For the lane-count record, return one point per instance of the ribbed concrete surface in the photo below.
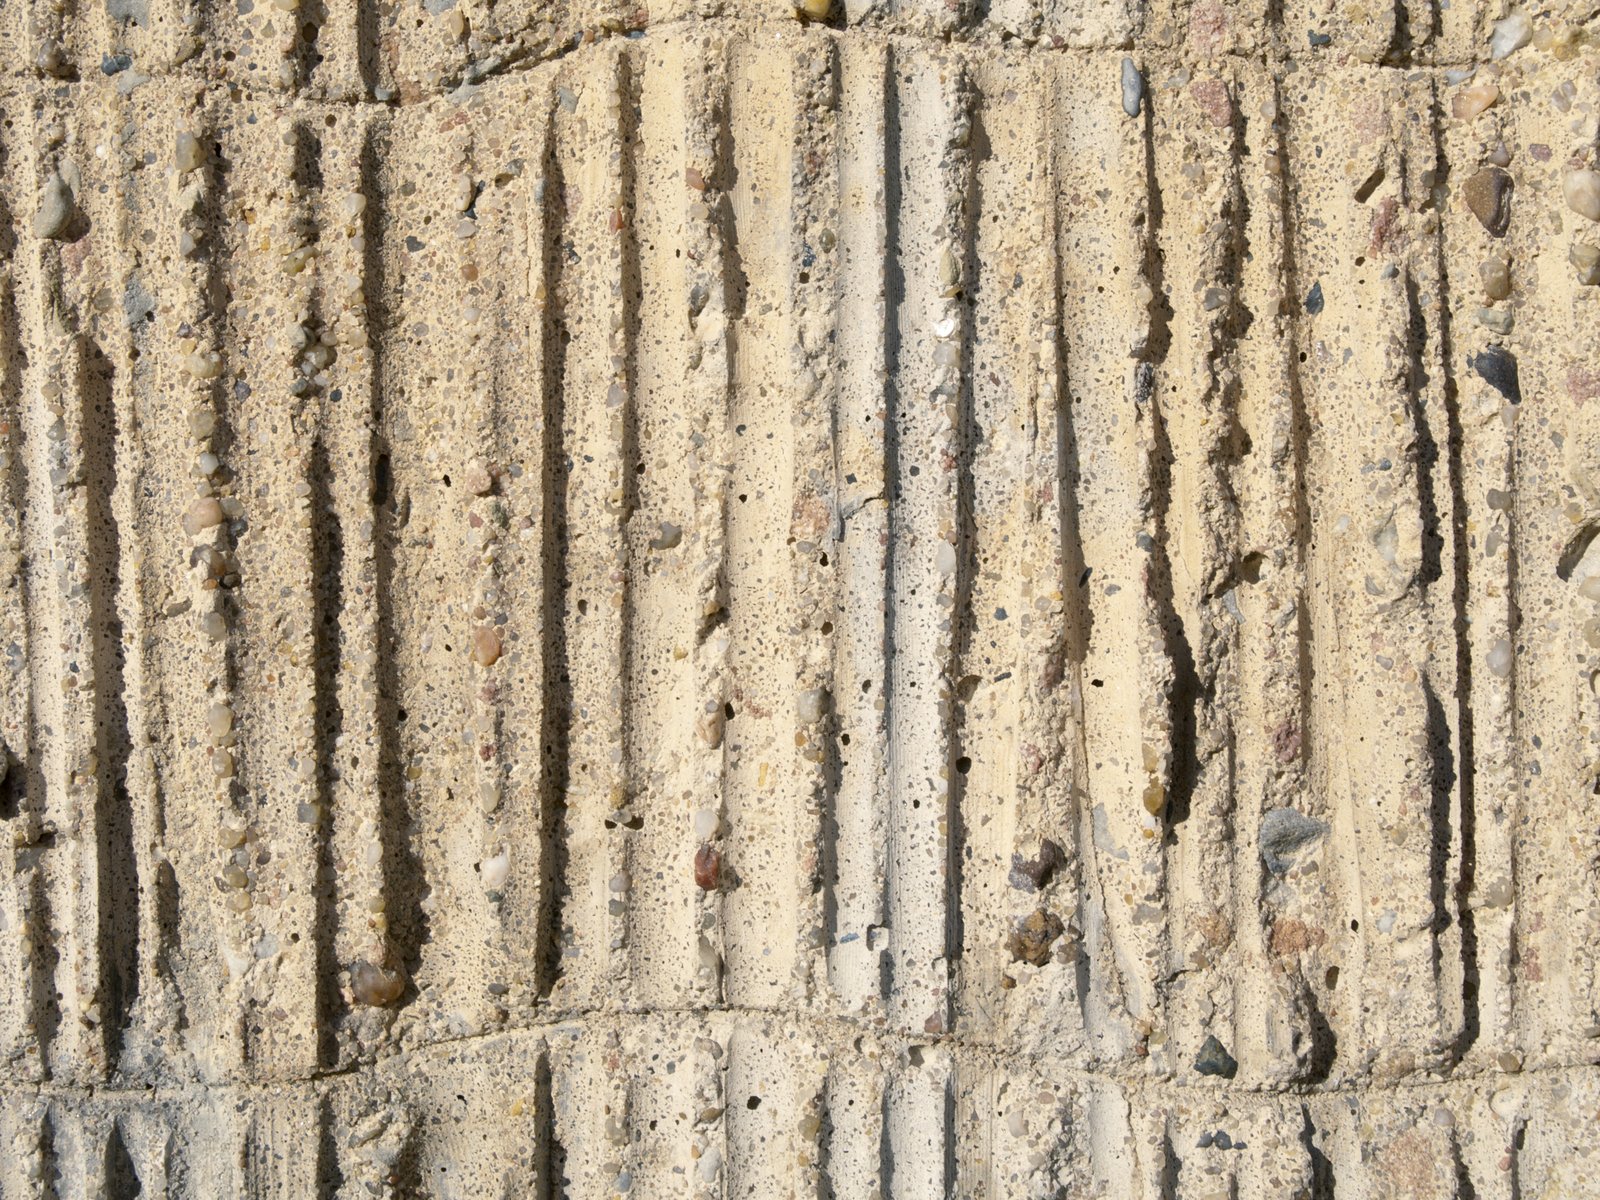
(693, 604)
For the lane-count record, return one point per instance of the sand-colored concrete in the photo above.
(953, 600)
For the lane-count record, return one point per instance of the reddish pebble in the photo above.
(707, 867)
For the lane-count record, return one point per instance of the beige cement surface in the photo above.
(694, 603)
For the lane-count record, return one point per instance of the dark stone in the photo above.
(1033, 936)
(1498, 368)
(1314, 299)
(1319, 39)
(1214, 1059)
(1032, 874)
(111, 64)
(1284, 833)
(1488, 194)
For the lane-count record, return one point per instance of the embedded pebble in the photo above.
(1214, 1059)
(485, 645)
(1488, 194)
(1132, 88)
(1586, 260)
(1510, 35)
(1285, 832)
(187, 155)
(376, 986)
(708, 868)
(1032, 874)
(810, 705)
(1581, 190)
(55, 210)
(1472, 100)
(1495, 319)
(1495, 272)
(1033, 936)
(201, 515)
(1499, 658)
(495, 869)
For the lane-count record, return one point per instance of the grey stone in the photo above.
(1284, 833)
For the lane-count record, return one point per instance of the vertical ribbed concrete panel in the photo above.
(970, 600)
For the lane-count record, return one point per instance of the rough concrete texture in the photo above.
(954, 600)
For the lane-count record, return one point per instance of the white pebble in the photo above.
(1509, 35)
(1500, 658)
(203, 366)
(811, 704)
(187, 155)
(496, 869)
(219, 721)
(1581, 189)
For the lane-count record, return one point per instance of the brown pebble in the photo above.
(485, 645)
(376, 986)
(708, 867)
(1488, 194)
(1033, 936)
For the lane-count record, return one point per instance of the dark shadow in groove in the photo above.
(330, 1180)
(952, 1142)
(632, 300)
(326, 551)
(1324, 1041)
(1427, 454)
(735, 283)
(403, 880)
(1323, 1183)
(1167, 1185)
(549, 1155)
(369, 16)
(1186, 691)
(833, 752)
(968, 435)
(327, 600)
(121, 1180)
(556, 711)
(894, 288)
(309, 19)
(1460, 594)
(117, 882)
(1442, 782)
(49, 1159)
(826, 1189)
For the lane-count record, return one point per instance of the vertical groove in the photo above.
(813, 517)
(708, 252)
(1196, 574)
(922, 599)
(555, 712)
(867, 172)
